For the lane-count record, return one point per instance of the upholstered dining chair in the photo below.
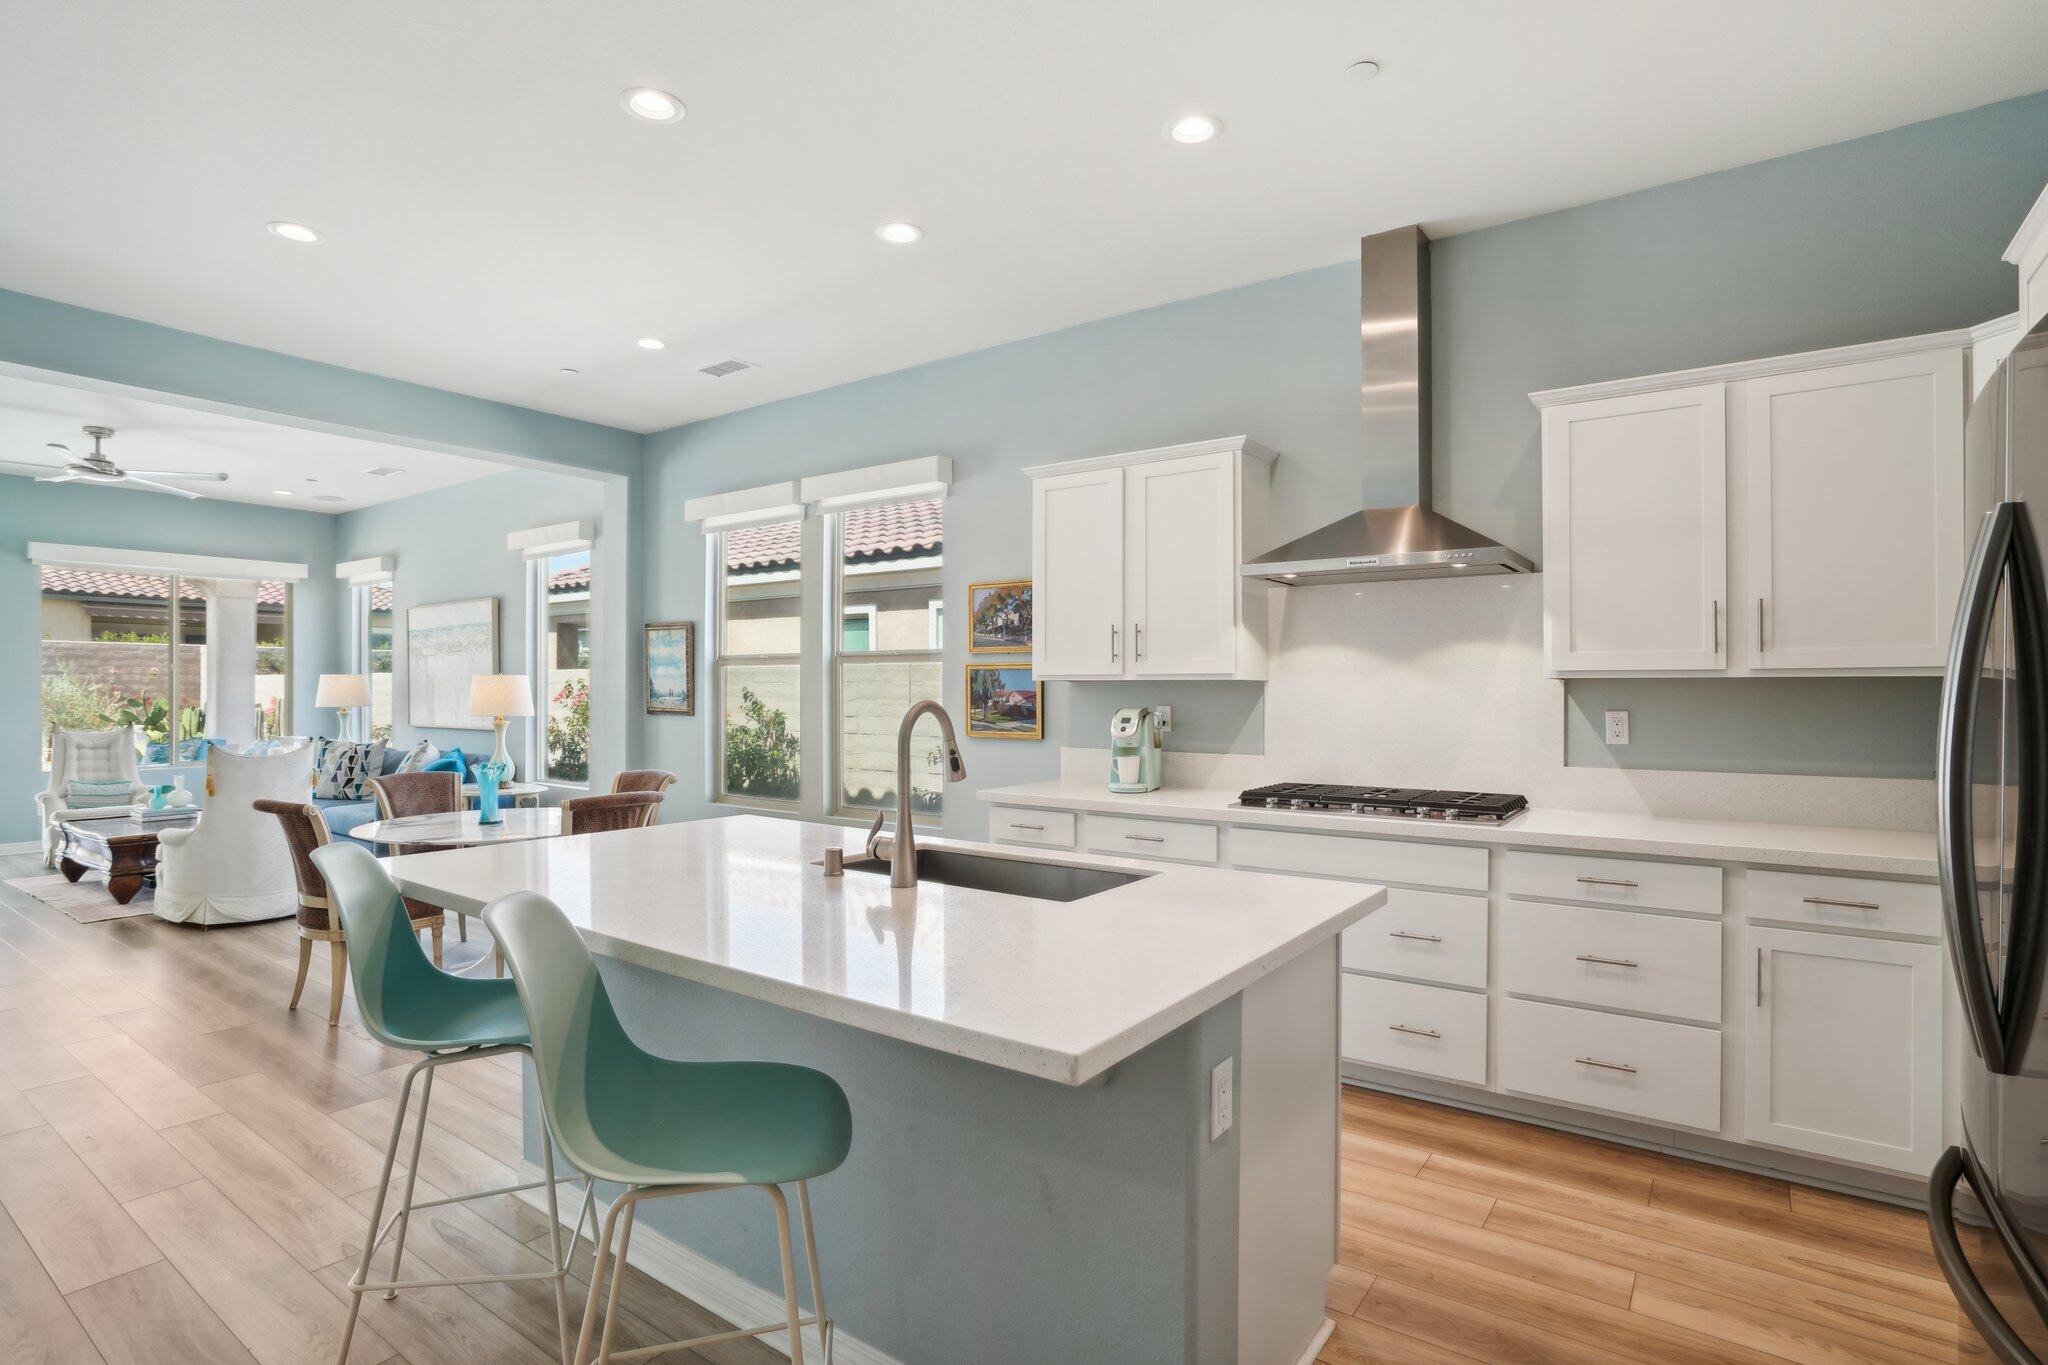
(305, 830)
(402, 794)
(616, 810)
(642, 780)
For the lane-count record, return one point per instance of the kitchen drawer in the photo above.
(1613, 881)
(1433, 935)
(1420, 862)
(1861, 903)
(1016, 825)
(1623, 959)
(1151, 838)
(1666, 1073)
(1430, 1029)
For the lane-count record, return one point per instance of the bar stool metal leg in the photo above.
(803, 1204)
(796, 1331)
(355, 1298)
(412, 1172)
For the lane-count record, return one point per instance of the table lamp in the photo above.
(343, 693)
(500, 695)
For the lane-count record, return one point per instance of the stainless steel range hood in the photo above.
(1408, 541)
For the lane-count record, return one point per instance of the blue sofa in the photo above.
(342, 816)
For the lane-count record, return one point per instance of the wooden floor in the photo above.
(185, 1168)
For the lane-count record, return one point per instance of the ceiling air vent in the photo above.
(383, 471)
(726, 367)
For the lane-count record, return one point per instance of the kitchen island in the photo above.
(1037, 1173)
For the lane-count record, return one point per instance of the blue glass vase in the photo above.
(488, 776)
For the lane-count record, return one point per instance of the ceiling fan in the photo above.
(97, 468)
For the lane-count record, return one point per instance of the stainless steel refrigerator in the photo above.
(1992, 785)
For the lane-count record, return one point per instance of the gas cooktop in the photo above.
(1414, 803)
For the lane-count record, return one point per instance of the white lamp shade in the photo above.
(500, 694)
(342, 691)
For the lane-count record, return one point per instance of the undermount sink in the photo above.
(1010, 876)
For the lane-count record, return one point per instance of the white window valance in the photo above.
(109, 559)
(745, 506)
(364, 573)
(544, 542)
(928, 476)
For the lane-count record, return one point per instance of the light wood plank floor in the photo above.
(185, 1166)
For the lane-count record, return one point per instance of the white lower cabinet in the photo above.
(1845, 1047)
(1430, 1029)
(1016, 825)
(1429, 935)
(1619, 959)
(1667, 1073)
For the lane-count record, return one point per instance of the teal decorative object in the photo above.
(488, 776)
(159, 797)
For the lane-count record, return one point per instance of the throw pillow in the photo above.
(345, 771)
(82, 795)
(450, 762)
(418, 757)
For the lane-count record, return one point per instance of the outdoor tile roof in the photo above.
(872, 533)
(142, 587)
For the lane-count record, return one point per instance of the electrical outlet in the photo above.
(1222, 1099)
(1165, 714)
(1617, 727)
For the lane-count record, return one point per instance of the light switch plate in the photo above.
(1165, 714)
(1617, 727)
(1222, 1097)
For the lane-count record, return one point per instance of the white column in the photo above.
(230, 658)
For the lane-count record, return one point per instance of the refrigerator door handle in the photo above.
(2028, 919)
(1957, 1164)
(1955, 848)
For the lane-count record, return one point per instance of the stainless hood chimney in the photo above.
(1410, 541)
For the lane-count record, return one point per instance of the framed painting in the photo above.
(1003, 702)
(999, 617)
(671, 668)
(447, 644)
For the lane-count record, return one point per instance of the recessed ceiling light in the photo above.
(1362, 70)
(284, 492)
(900, 234)
(651, 344)
(656, 106)
(1193, 128)
(328, 497)
(294, 232)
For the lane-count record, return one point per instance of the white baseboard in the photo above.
(711, 1286)
(26, 846)
(1315, 1346)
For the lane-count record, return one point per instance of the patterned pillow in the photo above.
(80, 794)
(418, 757)
(345, 770)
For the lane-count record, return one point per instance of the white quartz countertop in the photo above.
(1880, 852)
(1062, 991)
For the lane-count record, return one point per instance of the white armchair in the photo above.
(89, 756)
(231, 866)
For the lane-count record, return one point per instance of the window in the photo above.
(372, 652)
(184, 659)
(888, 561)
(564, 653)
(759, 670)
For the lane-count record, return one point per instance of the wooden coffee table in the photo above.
(123, 848)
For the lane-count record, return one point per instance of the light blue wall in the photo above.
(78, 515)
(1885, 236)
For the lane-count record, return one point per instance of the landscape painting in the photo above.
(671, 668)
(446, 645)
(1003, 703)
(999, 617)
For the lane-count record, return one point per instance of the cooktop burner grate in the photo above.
(1415, 803)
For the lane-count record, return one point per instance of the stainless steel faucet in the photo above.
(902, 849)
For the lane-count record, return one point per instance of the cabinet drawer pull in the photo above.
(1608, 961)
(1846, 905)
(1039, 828)
(1419, 938)
(1607, 881)
(1147, 838)
(1605, 1066)
(1418, 1032)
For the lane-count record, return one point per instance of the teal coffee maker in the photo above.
(1136, 745)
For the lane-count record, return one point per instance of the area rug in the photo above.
(87, 900)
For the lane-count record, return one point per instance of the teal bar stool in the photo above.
(407, 1002)
(662, 1127)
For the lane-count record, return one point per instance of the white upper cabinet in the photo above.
(1854, 512)
(2029, 252)
(1134, 560)
(1635, 531)
(1809, 514)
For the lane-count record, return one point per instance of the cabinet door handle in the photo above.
(1138, 641)
(1112, 644)
(1759, 623)
(1846, 905)
(1717, 625)
(1418, 1032)
(1759, 978)
(1607, 881)
(1039, 828)
(1608, 961)
(1147, 838)
(1419, 938)
(1605, 1066)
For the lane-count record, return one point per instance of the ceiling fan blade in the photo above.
(23, 467)
(160, 487)
(176, 474)
(65, 476)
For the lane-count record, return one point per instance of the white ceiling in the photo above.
(259, 458)
(492, 215)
